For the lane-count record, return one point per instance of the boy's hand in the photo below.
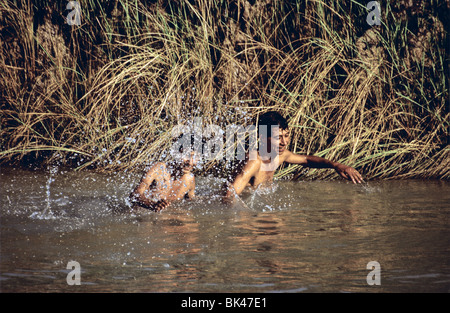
(160, 205)
(349, 173)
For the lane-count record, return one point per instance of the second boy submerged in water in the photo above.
(165, 183)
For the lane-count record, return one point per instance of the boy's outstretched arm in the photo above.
(317, 162)
(242, 179)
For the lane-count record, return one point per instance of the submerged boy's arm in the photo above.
(249, 170)
(191, 192)
(317, 162)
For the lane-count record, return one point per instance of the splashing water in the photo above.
(47, 213)
(292, 236)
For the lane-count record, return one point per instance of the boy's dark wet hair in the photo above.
(272, 118)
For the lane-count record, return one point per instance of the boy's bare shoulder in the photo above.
(158, 167)
(252, 165)
(190, 177)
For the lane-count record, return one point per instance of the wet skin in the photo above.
(261, 165)
(162, 185)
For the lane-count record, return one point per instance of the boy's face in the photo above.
(279, 140)
(189, 161)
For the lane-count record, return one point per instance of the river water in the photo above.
(306, 236)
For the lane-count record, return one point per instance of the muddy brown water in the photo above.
(306, 236)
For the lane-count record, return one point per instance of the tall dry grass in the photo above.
(106, 94)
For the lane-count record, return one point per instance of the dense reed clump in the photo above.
(106, 94)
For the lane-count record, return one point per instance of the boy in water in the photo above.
(164, 183)
(261, 165)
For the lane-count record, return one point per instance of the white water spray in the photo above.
(47, 213)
